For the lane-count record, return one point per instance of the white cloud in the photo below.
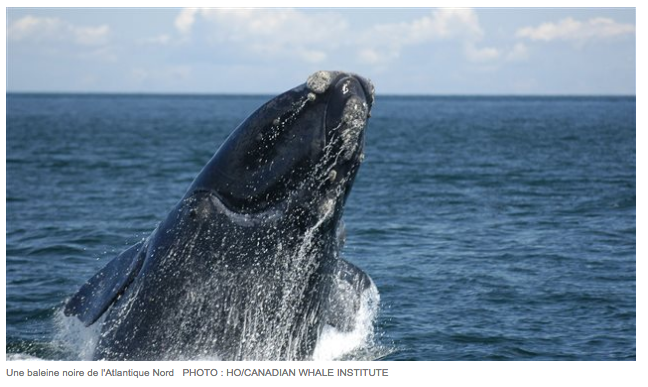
(316, 37)
(440, 24)
(34, 28)
(271, 32)
(519, 52)
(49, 29)
(455, 22)
(90, 36)
(185, 20)
(384, 42)
(374, 56)
(569, 29)
(484, 54)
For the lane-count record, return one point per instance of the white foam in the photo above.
(75, 338)
(80, 341)
(22, 357)
(336, 345)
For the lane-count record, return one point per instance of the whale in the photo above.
(247, 265)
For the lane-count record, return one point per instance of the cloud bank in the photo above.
(569, 29)
(47, 29)
(424, 50)
(312, 37)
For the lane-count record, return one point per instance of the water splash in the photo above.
(74, 338)
(359, 344)
(22, 357)
(336, 345)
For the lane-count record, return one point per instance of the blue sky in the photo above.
(404, 51)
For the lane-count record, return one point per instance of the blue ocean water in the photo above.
(495, 228)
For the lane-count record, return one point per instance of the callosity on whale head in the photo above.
(247, 265)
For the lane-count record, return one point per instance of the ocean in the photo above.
(495, 228)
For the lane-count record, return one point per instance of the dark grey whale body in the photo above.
(247, 265)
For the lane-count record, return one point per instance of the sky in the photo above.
(484, 51)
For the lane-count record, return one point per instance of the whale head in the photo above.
(302, 148)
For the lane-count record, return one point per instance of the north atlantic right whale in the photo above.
(247, 265)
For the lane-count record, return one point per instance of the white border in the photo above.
(419, 373)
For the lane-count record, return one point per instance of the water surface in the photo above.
(495, 228)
